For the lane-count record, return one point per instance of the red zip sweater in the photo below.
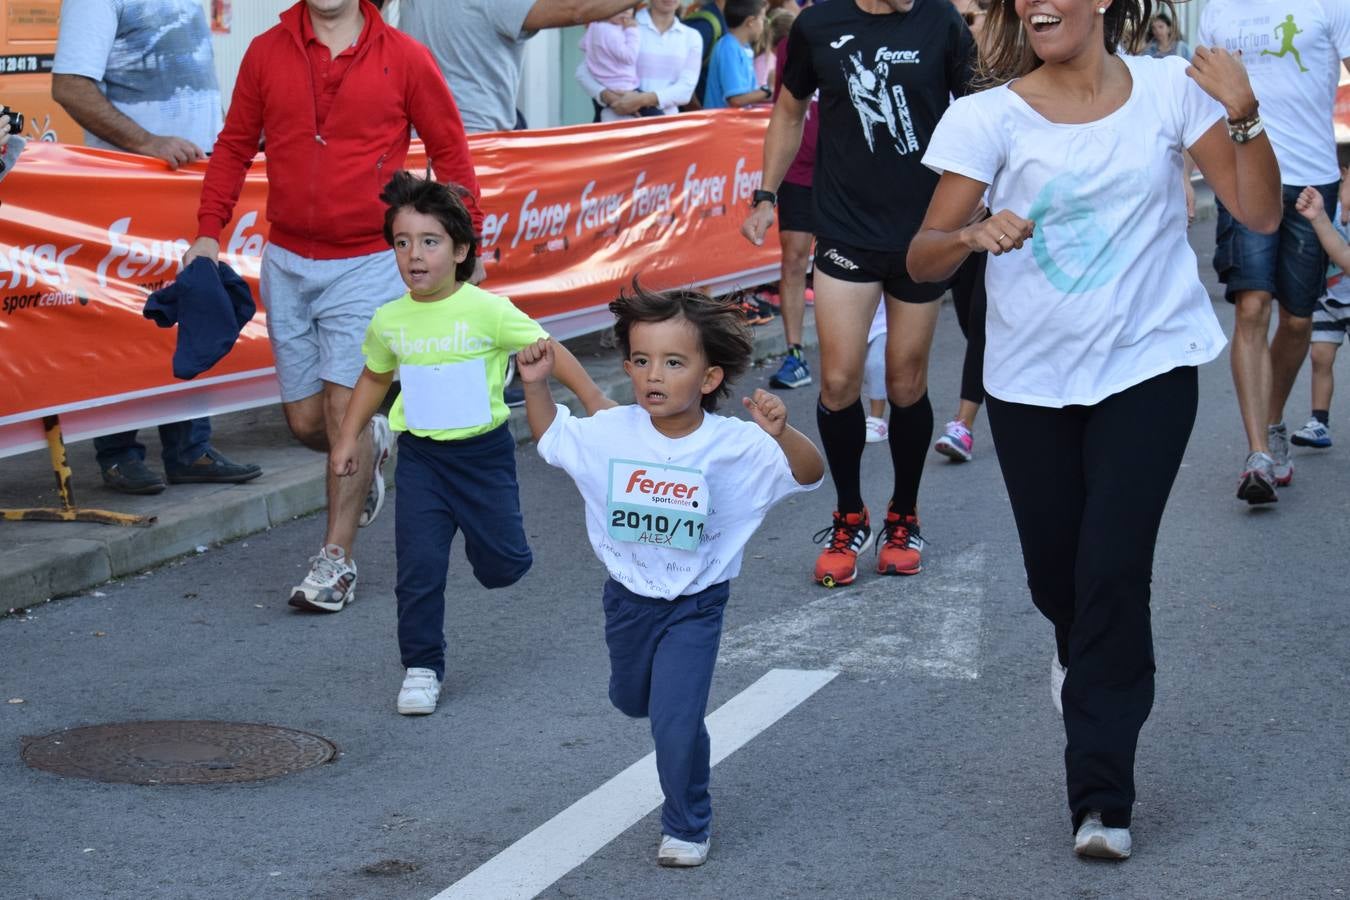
(323, 188)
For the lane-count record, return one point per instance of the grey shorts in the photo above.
(317, 313)
(1330, 321)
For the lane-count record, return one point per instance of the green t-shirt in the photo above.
(451, 357)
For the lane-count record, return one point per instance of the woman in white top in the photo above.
(1096, 322)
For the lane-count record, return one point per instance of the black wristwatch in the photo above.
(759, 197)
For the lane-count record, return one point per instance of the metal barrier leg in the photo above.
(68, 511)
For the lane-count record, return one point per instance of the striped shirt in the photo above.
(668, 65)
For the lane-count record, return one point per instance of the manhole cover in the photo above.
(177, 752)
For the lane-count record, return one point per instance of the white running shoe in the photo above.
(1278, 438)
(682, 854)
(1313, 434)
(330, 584)
(383, 438)
(876, 429)
(1100, 841)
(421, 689)
(1057, 673)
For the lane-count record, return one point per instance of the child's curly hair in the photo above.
(726, 338)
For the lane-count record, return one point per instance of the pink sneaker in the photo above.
(956, 443)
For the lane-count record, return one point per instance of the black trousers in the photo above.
(1088, 485)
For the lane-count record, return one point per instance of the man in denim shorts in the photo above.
(1293, 50)
(330, 151)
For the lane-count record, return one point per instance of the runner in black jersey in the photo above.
(885, 71)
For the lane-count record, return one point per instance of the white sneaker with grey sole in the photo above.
(1277, 436)
(330, 584)
(682, 854)
(419, 694)
(383, 438)
(1101, 841)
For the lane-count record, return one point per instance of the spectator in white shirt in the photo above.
(669, 56)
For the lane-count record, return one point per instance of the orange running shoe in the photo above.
(901, 546)
(848, 536)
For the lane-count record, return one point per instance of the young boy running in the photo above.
(448, 341)
(672, 495)
(1331, 317)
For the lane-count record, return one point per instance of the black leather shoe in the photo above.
(213, 468)
(132, 477)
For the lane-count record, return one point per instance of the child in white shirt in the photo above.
(672, 495)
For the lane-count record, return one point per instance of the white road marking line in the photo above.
(880, 626)
(571, 837)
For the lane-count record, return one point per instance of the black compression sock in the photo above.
(1323, 416)
(911, 431)
(844, 435)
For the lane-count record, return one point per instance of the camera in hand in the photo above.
(15, 119)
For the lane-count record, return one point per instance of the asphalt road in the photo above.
(931, 766)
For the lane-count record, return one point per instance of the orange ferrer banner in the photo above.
(572, 214)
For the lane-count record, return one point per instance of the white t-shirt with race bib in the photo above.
(1106, 294)
(669, 516)
(1293, 51)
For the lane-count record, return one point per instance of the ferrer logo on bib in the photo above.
(665, 506)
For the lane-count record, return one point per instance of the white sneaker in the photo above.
(1057, 673)
(876, 430)
(383, 438)
(1313, 434)
(330, 584)
(1100, 842)
(1278, 438)
(675, 852)
(421, 689)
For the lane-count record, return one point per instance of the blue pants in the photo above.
(183, 444)
(661, 658)
(443, 487)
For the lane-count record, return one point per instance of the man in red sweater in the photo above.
(336, 92)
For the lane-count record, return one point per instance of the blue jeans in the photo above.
(1289, 264)
(442, 487)
(661, 658)
(183, 444)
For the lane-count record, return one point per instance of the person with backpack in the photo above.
(710, 22)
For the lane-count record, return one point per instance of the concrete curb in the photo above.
(44, 570)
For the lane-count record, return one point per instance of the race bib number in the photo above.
(665, 506)
(446, 396)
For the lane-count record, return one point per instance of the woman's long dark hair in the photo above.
(1007, 53)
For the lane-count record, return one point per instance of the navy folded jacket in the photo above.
(210, 304)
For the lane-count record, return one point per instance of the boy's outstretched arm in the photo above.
(369, 393)
(534, 363)
(576, 379)
(803, 458)
(1311, 207)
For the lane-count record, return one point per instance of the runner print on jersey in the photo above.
(654, 504)
(879, 103)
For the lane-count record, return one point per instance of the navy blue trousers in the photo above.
(443, 487)
(661, 658)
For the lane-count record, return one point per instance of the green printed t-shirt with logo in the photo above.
(1106, 292)
(1293, 51)
(451, 356)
